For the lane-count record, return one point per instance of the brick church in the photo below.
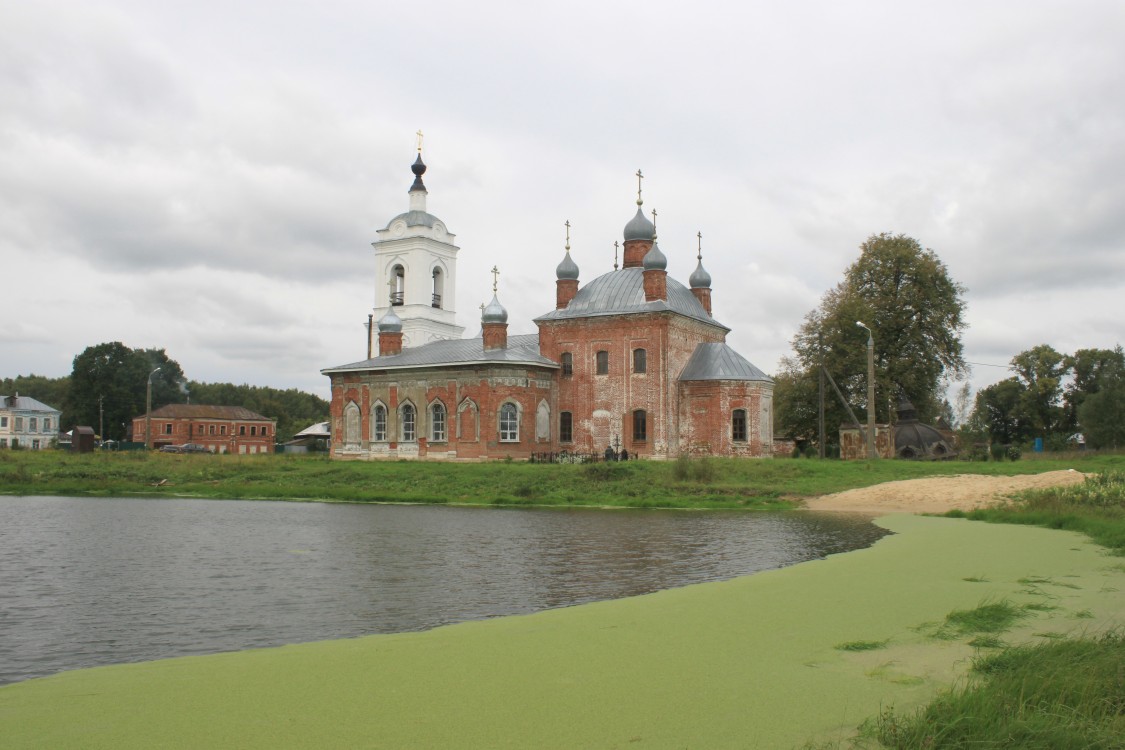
(632, 359)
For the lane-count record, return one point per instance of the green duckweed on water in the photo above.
(751, 662)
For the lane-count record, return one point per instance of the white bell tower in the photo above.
(416, 270)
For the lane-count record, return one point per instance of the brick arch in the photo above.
(468, 421)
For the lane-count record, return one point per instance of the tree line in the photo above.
(904, 294)
(108, 383)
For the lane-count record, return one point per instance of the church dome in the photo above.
(390, 323)
(654, 259)
(494, 313)
(639, 227)
(699, 278)
(916, 440)
(419, 169)
(567, 270)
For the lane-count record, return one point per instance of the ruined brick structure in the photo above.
(633, 359)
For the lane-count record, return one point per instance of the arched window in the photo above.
(509, 423)
(437, 289)
(640, 360)
(640, 425)
(437, 422)
(379, 423)
(567, 364)
(738, 425)
(398, 285)
(602, 361)
(566, 427)
(408, 423)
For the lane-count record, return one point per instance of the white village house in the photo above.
(27, 423)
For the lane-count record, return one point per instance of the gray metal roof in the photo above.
(25, 403)
(622, 292)
(522, 350)
(416, 219)
(720, 362)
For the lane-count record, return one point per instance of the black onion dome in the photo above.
(419, 169)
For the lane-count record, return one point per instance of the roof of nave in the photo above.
(622, 292)
(719, 362)
(24, 403)
(206, 411)
(521, 350)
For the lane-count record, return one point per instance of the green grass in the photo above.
(987, 618)
(1096, 507)
(862, 645)
(707, 483)
(1066, 693)
(1059, 695)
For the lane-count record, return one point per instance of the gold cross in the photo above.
(615, 255)
(700, 236)
(639, 178)
(419, 134)
(568, 235)
(654, 223)
(495, 275)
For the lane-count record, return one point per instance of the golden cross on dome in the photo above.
(700, 236)
(654, 223)
(419, 134)
(615, 255)
(639, 178)
(568, 235)
(495, 275)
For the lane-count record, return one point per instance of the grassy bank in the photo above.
(765, 661)
(1049, 695)
(705, 483)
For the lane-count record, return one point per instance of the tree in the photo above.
(1099, 375)
(1040, 371)
(51, 391)
(1089, 367)
(108, 385)
(1000, 411)
(905, 295)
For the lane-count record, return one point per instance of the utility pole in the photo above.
(820, 393)
(148, 411)
(101, 418)
(870, 390)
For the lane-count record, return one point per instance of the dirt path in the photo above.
(939, 494)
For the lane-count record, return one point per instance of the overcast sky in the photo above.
(207, 177)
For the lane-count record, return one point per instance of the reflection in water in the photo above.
(87, 581)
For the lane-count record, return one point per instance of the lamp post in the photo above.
(148, 411)
(870, 390)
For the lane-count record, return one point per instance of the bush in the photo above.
(1014, 453)
(998, 452)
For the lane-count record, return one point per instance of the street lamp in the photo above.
(148, 411)
(870, 390)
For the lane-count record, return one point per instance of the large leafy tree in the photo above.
(1089, 368)
(1000, 411)
(51, 391)
(905, 294)
(108, 385)
(1040, 371)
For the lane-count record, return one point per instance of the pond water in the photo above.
(91, 581)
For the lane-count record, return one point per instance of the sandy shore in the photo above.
(939, 494)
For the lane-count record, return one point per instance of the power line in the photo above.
(986, 364)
